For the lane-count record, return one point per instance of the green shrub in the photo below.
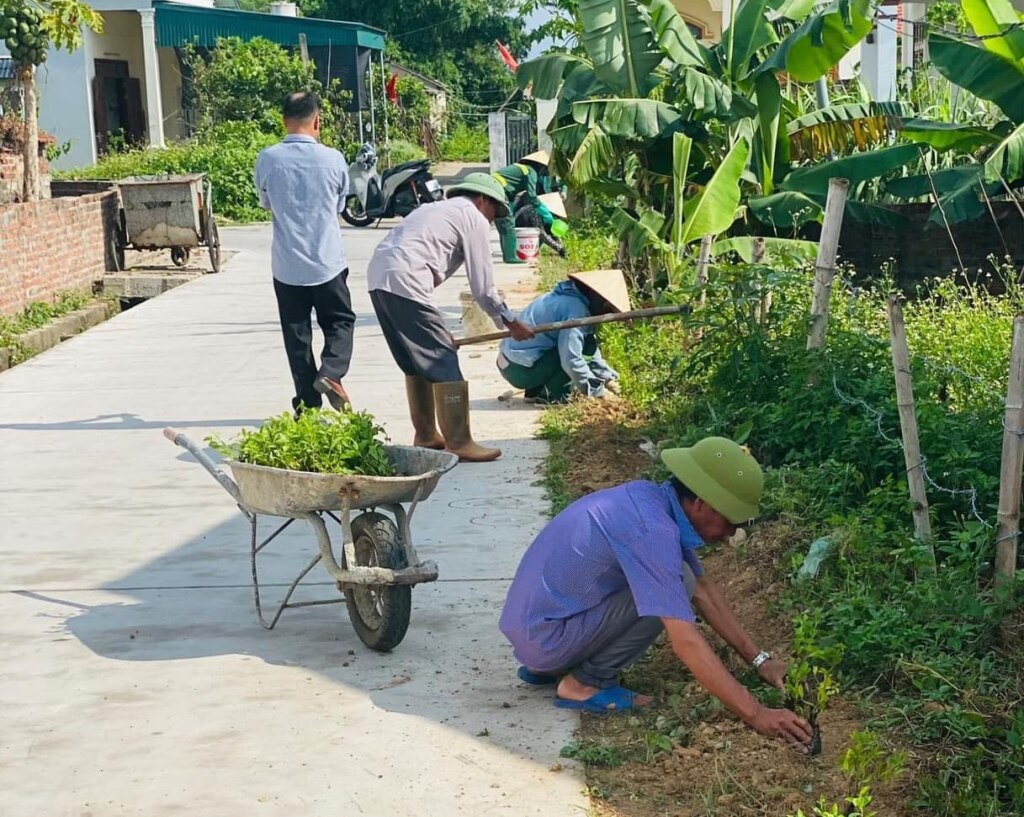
(400, 151)
(926, 642)
(227, 153)
(464, 143)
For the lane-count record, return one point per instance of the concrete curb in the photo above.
(67, 326)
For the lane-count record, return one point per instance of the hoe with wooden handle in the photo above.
(636, 314)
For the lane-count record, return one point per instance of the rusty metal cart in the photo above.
(378, 564)
(167, 212)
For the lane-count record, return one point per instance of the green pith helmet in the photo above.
(486, 185)
(722, 473)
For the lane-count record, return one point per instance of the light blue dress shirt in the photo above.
(304, 185)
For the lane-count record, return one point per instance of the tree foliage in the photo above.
(450, 40)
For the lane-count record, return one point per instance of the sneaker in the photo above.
(334, 392)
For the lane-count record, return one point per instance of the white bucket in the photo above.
(527, 243)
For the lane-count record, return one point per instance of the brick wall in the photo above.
(11, 177)
(53, 245)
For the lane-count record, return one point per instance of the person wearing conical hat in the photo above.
(411, 261)
(521, 178)
(552, 365)
(526, 215)
(618, 567)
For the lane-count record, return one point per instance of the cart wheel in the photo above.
(213, 241)
(179, 256)
(379, 613)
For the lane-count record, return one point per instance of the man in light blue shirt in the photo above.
(304, 185)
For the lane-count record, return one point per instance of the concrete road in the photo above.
(136, 679)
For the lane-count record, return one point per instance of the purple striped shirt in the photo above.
(633, 536)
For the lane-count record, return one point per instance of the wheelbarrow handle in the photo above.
(228, 484)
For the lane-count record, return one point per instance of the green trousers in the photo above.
(507, 235)
(545, 380)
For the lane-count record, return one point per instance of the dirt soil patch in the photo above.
(686, 756)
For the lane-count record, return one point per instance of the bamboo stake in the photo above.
(703, 261)
(908, 424)
(1010, 473)
(825, 265)
(761, 310)
(615, 317)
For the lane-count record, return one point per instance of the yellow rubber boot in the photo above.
(420, 393)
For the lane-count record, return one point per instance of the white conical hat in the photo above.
(539, 157)
(554, 203)
(608, 283)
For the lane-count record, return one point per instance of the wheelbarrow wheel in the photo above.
(213, 241)
(180, 256)
(379, 613)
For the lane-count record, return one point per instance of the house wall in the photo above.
(52, 246)
(170, 93)
(702, 13)
(65, 104)
(122, 40)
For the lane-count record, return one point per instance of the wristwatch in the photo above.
(759, 659)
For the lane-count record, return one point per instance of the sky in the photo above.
(539, 17)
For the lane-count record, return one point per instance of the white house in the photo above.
(128, 79)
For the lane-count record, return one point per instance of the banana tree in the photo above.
(991, 68)
(644, 79)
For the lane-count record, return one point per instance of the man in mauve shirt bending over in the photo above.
(416, 257)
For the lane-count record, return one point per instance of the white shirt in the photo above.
(428, 247)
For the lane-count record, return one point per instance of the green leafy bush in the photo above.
(227, 153)
(465, 143)
(323, 442)
(927, 644)
(402, 151)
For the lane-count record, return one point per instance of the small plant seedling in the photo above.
(810, 682)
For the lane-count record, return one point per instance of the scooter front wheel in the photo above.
(355, 214)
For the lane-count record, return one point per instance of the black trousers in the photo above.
(417, 337)
(333, 306)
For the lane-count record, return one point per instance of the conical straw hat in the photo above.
(608, 283)
(538, 157)
(554, 203)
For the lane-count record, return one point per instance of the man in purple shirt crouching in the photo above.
(615, 568)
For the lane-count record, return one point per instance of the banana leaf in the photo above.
(673, 36)
(621, 45)
(983, 73)
(867, 213)
(714, 210)
(841, 129)
(785, 211)
(748, 34)
(959, 190)
(997, 23)
(593, 158)
(822, 40)
(1007, 160)
(705, 95)
(766, 139)
(813, 179)
(546, 72)
(777, 251)
(948, 135)
(642, 233)
(945, 181)
(627, 118)
(681, 147)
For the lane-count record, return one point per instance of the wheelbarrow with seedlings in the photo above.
(330, 470)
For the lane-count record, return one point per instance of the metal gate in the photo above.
(520, 136)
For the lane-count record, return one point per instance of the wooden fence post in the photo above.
(908, 424)
(825, 266)
(765, 303)
(703, 261)
(1013, 461)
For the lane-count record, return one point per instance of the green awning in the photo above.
(178, 24)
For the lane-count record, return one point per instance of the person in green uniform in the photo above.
(524, 177)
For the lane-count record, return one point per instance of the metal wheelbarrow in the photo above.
(378, 564)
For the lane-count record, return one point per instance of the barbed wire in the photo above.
(878, 415)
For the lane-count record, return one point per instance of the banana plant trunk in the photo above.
(30, 183)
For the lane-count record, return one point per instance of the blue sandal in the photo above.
(536, 679)
(603, 702)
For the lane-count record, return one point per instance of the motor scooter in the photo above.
(398, 192)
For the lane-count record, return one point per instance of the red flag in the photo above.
(392, 89)
(506, 55)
